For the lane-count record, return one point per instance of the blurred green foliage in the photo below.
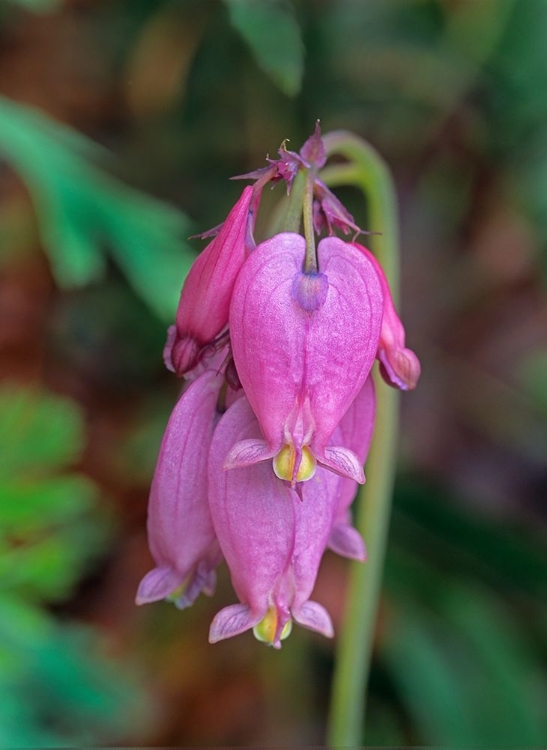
(273, 35)
(470, 606)
(57, 688)
(81, 208)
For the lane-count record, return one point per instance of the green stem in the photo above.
(367, 171)
(310, 262)
(293, 217)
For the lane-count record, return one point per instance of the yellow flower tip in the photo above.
(266, 629)
(284, 464)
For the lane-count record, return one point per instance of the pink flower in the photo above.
(399, 366)
(272, 539)
(356, 429)
(181, 535)
(205, 298)
(303, 345)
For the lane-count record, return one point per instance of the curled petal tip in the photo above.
(158, 584)
(247, 452)
(347, 542)
(400, 368)
(231, 621)
(180, 353)
(342, 461)
(313, 616)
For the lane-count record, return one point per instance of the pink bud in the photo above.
(180, 531)
(205, 298)
(399, 366)
(303, 345)
(271, 538)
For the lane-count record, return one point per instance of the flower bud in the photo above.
(205, 297)
(399, 366)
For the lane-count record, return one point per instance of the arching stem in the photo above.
(346, 726)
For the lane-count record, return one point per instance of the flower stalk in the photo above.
(367, 171)
(310, 263)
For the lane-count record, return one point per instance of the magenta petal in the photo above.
(272, 539)
(313, 517)
(203, 579)
(344, 462)
(347, 542)
(247, 453)
(232, 620)
(180, 531)
(157, 584)
(205, 298)
(302, 368)
(399, 366)
(315, 617)
(355, 431)
(313, 150)
(252, 512)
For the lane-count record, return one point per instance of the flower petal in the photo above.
(252, 512)
(232, 620)
(247, 452)
(354, 431)
(158, 584)
(301, 369)
(347, 542)
(399, 366)
(180, 531)
(205, 297)
(315, 617)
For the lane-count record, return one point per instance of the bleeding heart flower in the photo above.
(399, 366)
(271, 538)
(355, 428)
(303, 345)
(205, 298)
(180, 531)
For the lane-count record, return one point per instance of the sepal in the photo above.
(347, 542)
(248, 452)
(342, 461)
(232, 620)
(158, 584)
(313, 616)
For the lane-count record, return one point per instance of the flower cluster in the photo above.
(265, 448)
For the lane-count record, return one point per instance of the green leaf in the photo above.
(27, 507)
(81, 209)
(273, 35)
(39, 432)
(49, 527)
(38, 6)
(418, 654)
(465, 671)
(57, 687)
(506, 687)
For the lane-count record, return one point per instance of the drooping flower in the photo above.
(281, 338)
(181, 535)
(303, 345)
(205, 297)
(399, 366)
(271, 538)
(356, 429)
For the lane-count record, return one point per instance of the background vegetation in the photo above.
(120, 124)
